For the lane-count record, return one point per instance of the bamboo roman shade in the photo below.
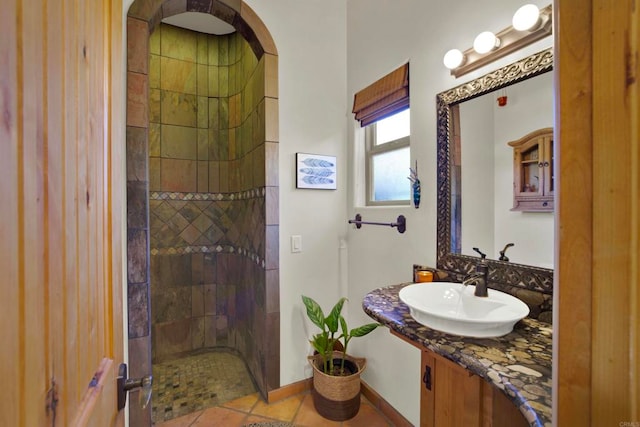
(386, 96)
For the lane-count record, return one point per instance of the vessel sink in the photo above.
(453, 308)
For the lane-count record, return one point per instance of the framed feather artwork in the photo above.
(315, 171)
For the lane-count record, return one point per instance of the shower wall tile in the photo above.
(259, 166)
(203, 176)
(171, 270)
(232, 154)
(272, 359)
(197, 333)
(271, 76)
(178, 109)
(272, 210)
(138, 298)
(209, 297)
(154, 139)
(197, 301)
(174, 7)
(271, 164)
(154, 41)
(137, 100)
(223, 144)
(223, 113)
(171, 338)
(137, 256)
(271, 120)
(223, 51)
(137, 45)
(178, 175)
(214, 79)
(259, 131)
(203, 48)
(202, 84)
(214, 177)
(154, 174)
(197, 269)
(177, 75)
(170, 303)
(179, 142)
(203, 112)
(222, 11)
(223, 81)
(190, 234)
(272, 291)
(154, 105)
(223, 183)
(136, 204)
(214, 119)
(210, 268)
(203, 144)
(210, 331)
(136, 153)
(212, 45)
(139, 357)
(178, 43)
(273, 243)
(154, 71)
(222, 330)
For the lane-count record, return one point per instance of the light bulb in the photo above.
(485, 42)
(526, 18)
(453, 59)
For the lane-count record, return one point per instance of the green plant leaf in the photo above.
(319, 343)
(314, 312)
(332, 320)
(343, 324)
(364, 329)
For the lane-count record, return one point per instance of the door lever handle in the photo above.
(127, 384)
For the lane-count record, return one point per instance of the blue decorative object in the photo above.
(315, 171)
(415, 185)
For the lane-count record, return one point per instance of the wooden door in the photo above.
(62, 200)
(597, 281)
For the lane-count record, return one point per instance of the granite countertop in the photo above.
(519, 363)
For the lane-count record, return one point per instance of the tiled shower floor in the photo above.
(192, 383)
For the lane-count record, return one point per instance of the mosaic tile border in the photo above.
(210, 249)
(254, 193)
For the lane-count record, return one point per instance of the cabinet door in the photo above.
(427, 390)
(452, 397)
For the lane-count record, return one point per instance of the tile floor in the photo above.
(214, 389)
(297, 410)
(188, 384)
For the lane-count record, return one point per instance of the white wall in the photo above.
(487, 173)
(311, 40)
(477, 140)
(381, 35)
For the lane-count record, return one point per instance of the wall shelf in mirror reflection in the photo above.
(475, 181)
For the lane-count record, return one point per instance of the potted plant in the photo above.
(336, 375)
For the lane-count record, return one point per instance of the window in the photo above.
(388, 160)
(382, 108)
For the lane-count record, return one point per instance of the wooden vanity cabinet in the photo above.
(533, 172)
(452, 396)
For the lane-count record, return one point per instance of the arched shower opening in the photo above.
(202, 190)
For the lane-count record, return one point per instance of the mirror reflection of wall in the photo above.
(487, 173)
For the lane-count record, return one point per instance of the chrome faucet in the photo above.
(480, 277)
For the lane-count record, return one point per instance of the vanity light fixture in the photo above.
(530, 24)
(485, 42)
(526, 18)
(453, 59)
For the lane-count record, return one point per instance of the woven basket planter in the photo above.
(337, 398)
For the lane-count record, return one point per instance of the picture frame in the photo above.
(316, 171)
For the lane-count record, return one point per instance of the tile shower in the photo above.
(205, 163)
